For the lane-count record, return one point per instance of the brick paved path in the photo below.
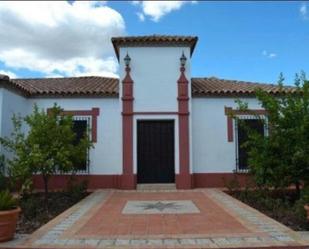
(201, 218)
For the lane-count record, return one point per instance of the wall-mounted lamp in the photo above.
(183, 59)
(127, 60)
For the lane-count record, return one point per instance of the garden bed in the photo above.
(34, 213)
(281, 205)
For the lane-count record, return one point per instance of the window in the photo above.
(242, 137)
(80, 128)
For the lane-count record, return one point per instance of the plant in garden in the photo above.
(282, 158)
(7, 201)
(49, 147)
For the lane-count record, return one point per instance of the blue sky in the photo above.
(252, 41)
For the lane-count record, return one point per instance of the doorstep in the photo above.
(156, 186)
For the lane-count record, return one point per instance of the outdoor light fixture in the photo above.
(183, 59)
(127, 60)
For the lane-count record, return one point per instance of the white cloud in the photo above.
(8, 73)
(272, 55)
(141, 16)
(58, 38)
(157, 9)
(268, 54)
(303, 10)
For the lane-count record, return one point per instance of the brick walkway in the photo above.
(202, 218)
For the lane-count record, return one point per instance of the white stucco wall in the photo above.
(155, 71)
(211, 150)
(105, 158)
(11, 103)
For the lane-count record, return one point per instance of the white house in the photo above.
(156, 124)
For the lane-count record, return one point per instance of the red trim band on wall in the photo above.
(94, 113)
(229, 112)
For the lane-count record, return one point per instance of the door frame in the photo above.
(157, 118)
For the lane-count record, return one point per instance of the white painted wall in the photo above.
(155, 71)
(211, 150)
(10, 104)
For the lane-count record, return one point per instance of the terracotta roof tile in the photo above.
(168, 40)
(91, 85)
(215, 86)
(103, 86)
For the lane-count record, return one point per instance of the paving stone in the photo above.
(107, 242)
(252, 240)
(170, 242)
(122, 242)
(137, 242)
(220, 241)
(203, 241)
(60, 241)
(91, 242)
(235, 240)
(155, 242)
(187, 241)
(283, 238)
(44, 241)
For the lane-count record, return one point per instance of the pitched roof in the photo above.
(154, 40)
(216, 86)
(104, 86)
(92, 85)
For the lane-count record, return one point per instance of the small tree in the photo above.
(48, 148)
(282, 158)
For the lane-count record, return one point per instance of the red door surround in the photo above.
(184, 178)
(128, 179)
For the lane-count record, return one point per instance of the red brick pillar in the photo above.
(128, 180)
(184, 179)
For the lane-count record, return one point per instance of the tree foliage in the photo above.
(282, 158)
(47, 148)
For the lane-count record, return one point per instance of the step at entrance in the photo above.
(156, 186)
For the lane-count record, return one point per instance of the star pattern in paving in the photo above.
(160, 206)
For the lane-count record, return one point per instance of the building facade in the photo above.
(155, 124)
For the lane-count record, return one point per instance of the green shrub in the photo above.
(7, 201)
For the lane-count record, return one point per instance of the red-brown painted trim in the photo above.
(184, 178)
(229, 112)
(59, 182)
(94, 113)
(220, 180)
(128, 180)
(155, 113)
(196, 180)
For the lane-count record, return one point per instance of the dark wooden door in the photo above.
(253, 124)
(155, 152)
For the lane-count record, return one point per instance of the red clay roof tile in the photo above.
(103, 86)
(153, 40)
(215, 86)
